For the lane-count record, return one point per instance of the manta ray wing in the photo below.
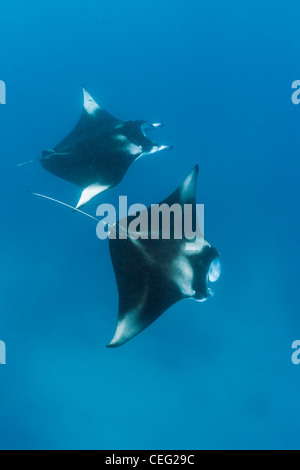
(93, 121)
(142, 291)
(154, 274)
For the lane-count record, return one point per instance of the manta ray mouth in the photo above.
(154, 147)
(214, 271)
(213, 275)
(147, 126)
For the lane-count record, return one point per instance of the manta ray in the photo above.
(98, 152)
(154, 274)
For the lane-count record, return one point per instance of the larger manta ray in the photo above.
(98, 152)
(152, 275)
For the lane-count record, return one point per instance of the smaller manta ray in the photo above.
(154, 274)
(98, 152)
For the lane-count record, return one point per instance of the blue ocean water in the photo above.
(216, 375)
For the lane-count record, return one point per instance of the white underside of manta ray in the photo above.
(98, 152)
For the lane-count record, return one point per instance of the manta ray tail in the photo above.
(45, 155)
(29, 161)
(66, 205)
(111, 227)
